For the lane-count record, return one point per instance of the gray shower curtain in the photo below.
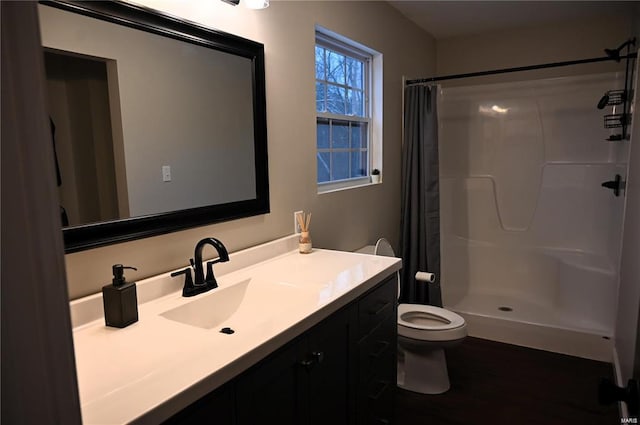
(420, 235)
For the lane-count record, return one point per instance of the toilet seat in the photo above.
(430, 323)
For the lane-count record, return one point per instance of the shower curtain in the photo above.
(420, 233)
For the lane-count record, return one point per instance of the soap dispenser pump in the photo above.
(120, 299)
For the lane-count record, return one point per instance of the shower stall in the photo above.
(530, 238)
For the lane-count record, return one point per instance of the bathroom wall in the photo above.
(627, 341)
(341, 220)
(558, 42)
(628, 317)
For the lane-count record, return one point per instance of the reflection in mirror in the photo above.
(152, 133)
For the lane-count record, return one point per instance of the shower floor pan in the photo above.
(519, 322)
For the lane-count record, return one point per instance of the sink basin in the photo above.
(244, 302)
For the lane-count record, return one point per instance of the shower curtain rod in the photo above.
(516, 69)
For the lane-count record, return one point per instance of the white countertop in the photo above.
(150, 370)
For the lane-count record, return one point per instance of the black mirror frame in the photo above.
(94, 235)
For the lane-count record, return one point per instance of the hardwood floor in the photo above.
(494, 383)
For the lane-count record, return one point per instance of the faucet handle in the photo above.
(210, 279)
(189, 287)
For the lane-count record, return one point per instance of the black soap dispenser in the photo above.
(120, 299)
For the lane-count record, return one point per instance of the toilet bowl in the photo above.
(424, 331)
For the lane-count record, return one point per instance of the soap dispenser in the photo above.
(120, 299)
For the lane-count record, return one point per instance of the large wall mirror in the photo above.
(158, 124)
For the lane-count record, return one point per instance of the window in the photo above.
(343, 87)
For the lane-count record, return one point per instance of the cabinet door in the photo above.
(273, 392)
(329, 349)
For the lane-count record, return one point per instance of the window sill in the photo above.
(331, 188)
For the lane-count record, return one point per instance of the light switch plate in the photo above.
(166, 173)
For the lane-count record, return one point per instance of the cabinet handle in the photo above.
(318, 356)
(383, 387)
(383, 347)
(380, 310)
(307, 363)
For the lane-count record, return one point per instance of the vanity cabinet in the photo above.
(342, 371)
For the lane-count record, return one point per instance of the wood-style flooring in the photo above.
(494, 384)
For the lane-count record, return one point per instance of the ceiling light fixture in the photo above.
(499, 110)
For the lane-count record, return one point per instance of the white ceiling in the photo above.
(444, 19)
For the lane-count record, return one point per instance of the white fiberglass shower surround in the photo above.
(530, 239)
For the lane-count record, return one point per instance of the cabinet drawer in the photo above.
(378, 395)
(377, 352)
(376, 306)
(380, 403)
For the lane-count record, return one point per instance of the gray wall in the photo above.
(341, 220)
(530, 46)
(628, 319)
(629, 290)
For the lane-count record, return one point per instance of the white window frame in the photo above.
(342, 45)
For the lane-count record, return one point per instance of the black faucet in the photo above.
(203, 283)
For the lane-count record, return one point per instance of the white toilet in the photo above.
(424, 332)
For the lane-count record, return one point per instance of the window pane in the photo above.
(336, 99)
(322, 134)
(359, 135)
(340, 165)
(320, 104)
(355, 103)
(340, 135)
(342, 94)
(320, 65)
(359, 164)
(323, 167)
(335, 67)
(355, 74)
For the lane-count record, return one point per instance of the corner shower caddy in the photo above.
(624, 97)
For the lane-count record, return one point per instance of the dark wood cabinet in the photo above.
(377, 348)
(307, 382)
(216, 408)
(342, 371)
(377, 375)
